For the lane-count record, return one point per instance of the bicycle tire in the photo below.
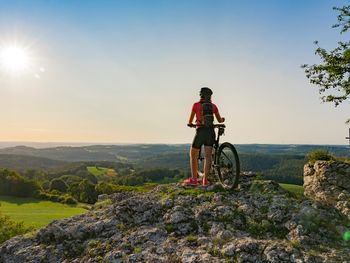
(228, 166)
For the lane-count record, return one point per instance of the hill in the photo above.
(293, 149)
(64, 153)
(136, 152)
(25, 162)
(130, 152)
(259, 223)
(282, 163)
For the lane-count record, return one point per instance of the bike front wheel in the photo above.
(228, 166)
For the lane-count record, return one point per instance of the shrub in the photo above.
(60, 199)
(45, 185)
(55, 192)
(104, 188)
(57, 197)
(320, 155)
(69, 200)
(9, 228)
(54, 198)
(59, 185)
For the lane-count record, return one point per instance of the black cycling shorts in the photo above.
(204, 136)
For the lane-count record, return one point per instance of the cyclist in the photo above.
(205, 134)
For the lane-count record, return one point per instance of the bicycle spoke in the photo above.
(227, 158)
(228, 162)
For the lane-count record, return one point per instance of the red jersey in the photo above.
(197, 108)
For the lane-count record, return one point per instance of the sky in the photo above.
(129, 71)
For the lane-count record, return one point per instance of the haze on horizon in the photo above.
(129, 71)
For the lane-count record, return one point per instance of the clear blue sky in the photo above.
(129, 71)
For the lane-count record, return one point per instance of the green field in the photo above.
(34, 212)
(297, 189)
(101, 171)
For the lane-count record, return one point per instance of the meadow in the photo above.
(36, 213)
(297, 189)
(101, 171)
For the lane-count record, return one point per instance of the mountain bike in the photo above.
(225, 167)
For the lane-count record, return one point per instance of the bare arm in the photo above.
(219, 118)
(190, 120)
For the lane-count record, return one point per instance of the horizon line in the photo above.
(20, 143)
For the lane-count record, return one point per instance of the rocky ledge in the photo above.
(260, 222)
(329, 182)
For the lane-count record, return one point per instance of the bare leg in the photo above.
(207, 161)
(194, 162)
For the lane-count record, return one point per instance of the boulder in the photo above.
(328, 182)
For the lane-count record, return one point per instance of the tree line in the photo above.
(79, 185)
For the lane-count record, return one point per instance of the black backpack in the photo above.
(207, 113)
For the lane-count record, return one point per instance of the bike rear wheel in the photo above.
(228, 166)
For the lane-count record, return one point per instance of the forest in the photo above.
(59, 173)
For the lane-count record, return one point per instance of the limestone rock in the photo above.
(174, 224)
(328, 182)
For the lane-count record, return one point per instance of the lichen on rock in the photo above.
(329, 182)
(175, 224)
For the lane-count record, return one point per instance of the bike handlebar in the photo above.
(202, 125)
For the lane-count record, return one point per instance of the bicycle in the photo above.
(225, 162)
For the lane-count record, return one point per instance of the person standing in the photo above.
(204, 111)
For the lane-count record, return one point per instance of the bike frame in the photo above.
(216, 163)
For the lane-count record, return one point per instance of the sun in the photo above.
(14, 59)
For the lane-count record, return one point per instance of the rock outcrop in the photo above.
(329, 182)
(260, 222)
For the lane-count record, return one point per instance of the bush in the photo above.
(55, 192)
(9, 228)
(320, 155)
(104, 188)
(70, 200)
(59, 185)
(45, 185)
(53, 196)
(42, 195)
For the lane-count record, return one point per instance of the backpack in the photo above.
(207, 113)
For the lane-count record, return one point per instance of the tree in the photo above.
(104, 188)
(36, 175)
(12, 183)
(87, 192)
(332, 76)
(59, 185)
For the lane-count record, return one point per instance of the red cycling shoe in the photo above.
(205, 182)
(190, 181)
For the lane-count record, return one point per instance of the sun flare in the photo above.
(14, 59)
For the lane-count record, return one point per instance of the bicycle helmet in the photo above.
(205, 92)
